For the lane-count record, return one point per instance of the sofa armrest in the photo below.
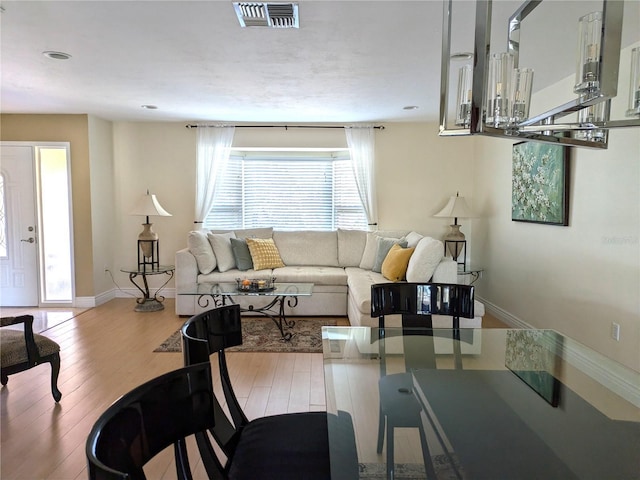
(446, 271)
(186, 269)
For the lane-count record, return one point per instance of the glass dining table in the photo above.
(525, 404)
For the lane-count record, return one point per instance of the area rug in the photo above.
(410, 471)
(262, 335)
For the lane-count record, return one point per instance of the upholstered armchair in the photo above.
(21, 350)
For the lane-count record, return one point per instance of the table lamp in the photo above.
(454, 240)
(148, 250)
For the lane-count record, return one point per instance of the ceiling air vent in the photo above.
(273, 15)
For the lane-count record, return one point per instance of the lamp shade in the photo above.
(148, 205)
(456, 207)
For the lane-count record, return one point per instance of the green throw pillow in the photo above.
(241, 254)
(384, 245)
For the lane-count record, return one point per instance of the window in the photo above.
(299, 190)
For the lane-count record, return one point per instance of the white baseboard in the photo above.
(135, 293)
(623, 381)
(90, 302)
(105, 297)
(503, 315)
(84, 302)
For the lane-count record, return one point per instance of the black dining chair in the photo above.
(291, 446)
(415, 302)
(162, 412)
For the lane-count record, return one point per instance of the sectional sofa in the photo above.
(342, 265)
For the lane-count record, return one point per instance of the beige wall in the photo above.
(159, 157)
(103, 223)
(72, 129)
(576, 279)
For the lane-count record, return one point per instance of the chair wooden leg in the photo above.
(4, 378)
(55, 371)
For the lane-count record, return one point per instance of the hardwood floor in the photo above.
(108, 350)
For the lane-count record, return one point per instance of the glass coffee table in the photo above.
(275, 299)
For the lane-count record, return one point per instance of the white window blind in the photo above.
(288, 191)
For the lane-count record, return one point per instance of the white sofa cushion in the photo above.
(200, 248)
(307, 248)
(351, 245)
(266, 232)
(221, 244)
(311, 274)
(359, 281)
(230, 276)
(424, 260)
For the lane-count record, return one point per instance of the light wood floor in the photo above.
(107, 351)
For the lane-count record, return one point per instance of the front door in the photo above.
(18, 235)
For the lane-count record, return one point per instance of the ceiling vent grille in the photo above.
(272, 15)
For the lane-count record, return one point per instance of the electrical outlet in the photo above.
(615, 331)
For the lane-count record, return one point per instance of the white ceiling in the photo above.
(350, 61)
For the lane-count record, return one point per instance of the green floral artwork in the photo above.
(539, 183)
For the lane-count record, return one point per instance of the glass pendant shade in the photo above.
(465, 82)
(634, 86)
(498, 111)
(521, 84)
(587, 116)
(588, 67)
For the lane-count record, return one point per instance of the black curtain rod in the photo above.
(286, 127)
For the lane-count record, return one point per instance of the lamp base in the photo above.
(455, 243)
(148, 249)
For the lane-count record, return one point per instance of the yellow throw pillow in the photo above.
(395, 264)
(264, 253)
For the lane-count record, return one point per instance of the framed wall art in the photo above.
(540, 183)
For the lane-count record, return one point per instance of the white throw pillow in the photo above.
(221, 244)
(351, 245)
(425, 260)
(370, 250)
(412, 239)
(200, 248)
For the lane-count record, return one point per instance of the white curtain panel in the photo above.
(360, 140)
(213, 149)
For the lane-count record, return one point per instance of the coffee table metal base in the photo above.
(273, 310)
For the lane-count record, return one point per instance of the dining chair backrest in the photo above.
(153, 416)
(416, 302)
(211, 332)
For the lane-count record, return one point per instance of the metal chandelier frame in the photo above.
(542, 127)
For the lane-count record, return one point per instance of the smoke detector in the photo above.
(263, 14)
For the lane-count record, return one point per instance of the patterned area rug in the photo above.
(262, 335)
(410, 471)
